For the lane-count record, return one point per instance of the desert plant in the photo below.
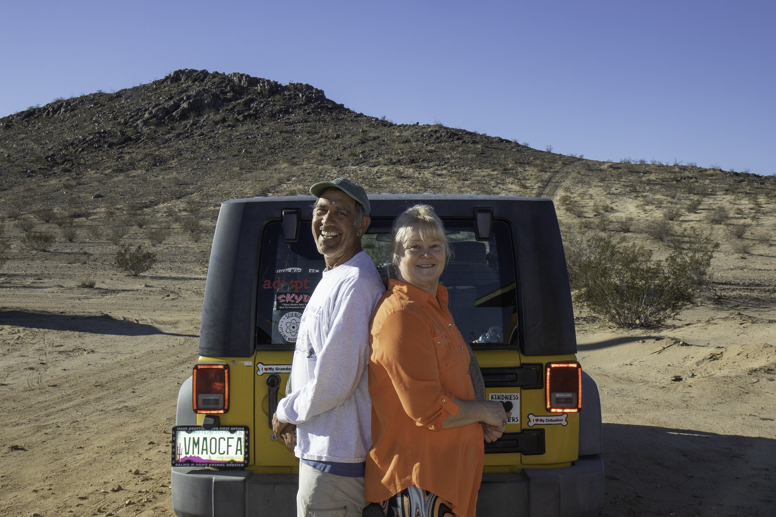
(737, 231)
(192, 226)
(69, 233)
(622, 283)
(622, 224)
(742, 247)
(117, 231)
(693, 205)
(87, 281)
(25, 225)
(660, 230)
(38, 241)
(671, 214)
(719, 215)
(157, 235)
(4, 247)
(45, 214)
(134, 262)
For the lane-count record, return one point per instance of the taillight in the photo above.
(564, 387)
(211, 388)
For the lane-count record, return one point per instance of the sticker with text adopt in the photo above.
(511, 403)
(547, 420)
(288, 326)
(262, 368)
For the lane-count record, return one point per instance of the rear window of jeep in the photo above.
(480, 278)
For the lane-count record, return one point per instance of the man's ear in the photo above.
(363, 225)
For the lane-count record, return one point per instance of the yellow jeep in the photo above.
(509, 294)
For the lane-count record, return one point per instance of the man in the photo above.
(329, 398)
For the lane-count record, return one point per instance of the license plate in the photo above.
(194, 446)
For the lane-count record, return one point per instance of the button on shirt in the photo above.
(418, 364)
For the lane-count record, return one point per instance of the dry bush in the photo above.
(622, 283)
(25, 225)
(38, 241)
(742, 247)
(157, 236)
(622, 224)
(193, 227)
(719, 215)
(4, 248)
(660, 230)
(87, 281)
(69, 233)
(737, 231)
(134, 262)
(45, 214)
(671, 214)
(117, 231)
(95, 231)
(601, 208)
(692, 206)
(763, 238)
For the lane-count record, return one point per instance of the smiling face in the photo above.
(421, 261)
(336, 227)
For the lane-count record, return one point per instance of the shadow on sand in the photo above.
(660, 471)
(77, 323)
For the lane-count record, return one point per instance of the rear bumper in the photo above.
(576, 491)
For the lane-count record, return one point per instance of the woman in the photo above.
(427, 428)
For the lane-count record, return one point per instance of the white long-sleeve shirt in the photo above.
(329, 401)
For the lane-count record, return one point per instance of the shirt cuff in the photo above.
(449, 407)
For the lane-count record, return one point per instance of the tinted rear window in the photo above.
(480, 279)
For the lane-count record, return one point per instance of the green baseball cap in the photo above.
(357, 192)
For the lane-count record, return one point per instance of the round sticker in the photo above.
(289, 325)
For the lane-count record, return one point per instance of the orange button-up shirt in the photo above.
(419, 362)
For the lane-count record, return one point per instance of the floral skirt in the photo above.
(416, 502)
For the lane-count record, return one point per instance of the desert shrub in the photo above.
(157, 235)
(737, 231)
(193, 227)
(602, 208)
(693, 205)
(45, 214)
(87, 281)
(742, 247)
(660, 230)
(622, 224)
(38, 241)
(117, 231)
(4, 247)
(95, 231)
(719, 215)
(622, 283)
(671, 214)
(25, 225)
(134, 262)
(69, 233)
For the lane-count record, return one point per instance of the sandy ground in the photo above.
(89, 380)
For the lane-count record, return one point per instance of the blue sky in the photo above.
(687, 81)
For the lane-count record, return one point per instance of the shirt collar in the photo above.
(419, 295)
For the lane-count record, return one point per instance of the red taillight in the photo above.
(564, 387)
(211, 388)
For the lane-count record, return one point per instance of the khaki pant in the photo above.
(326, 495)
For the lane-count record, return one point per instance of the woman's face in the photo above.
(421, 262)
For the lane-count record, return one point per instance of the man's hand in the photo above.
(284, 431)
(491, 433)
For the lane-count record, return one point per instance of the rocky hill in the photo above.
(146, 161)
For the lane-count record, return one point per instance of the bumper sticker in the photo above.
(511, 403)
(262, 368)
(547, 420)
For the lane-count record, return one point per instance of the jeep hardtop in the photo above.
(509, 295)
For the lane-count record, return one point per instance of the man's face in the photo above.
(336, 233)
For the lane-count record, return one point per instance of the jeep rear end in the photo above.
(509, 296)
